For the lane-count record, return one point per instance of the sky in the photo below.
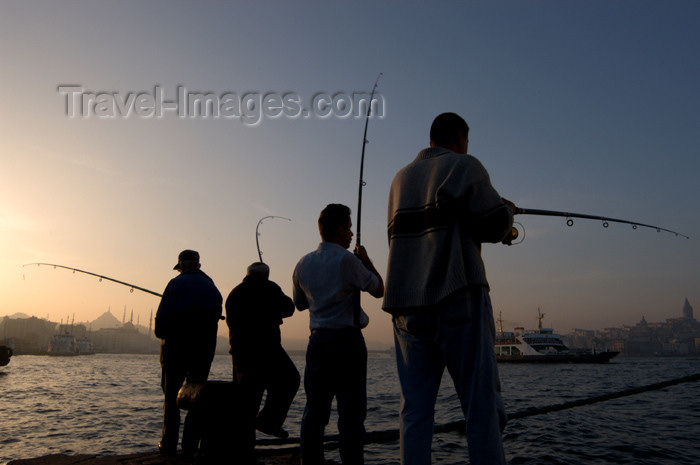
(582, 106)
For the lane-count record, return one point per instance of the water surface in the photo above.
(111, 404)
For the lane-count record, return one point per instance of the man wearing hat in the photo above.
(254, 312)
(187, 322)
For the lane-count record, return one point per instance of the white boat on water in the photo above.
(63, 344)
(542, 346)
(66, 344)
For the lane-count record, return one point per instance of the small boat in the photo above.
(66, 344)
(63, 344)
(5, 355)
(542, 346)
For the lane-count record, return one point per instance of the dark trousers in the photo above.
(336, 366)
(175, 370)
(276, 374)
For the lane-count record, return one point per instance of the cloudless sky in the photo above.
(583, 106)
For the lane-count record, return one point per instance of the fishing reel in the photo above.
(514, 234)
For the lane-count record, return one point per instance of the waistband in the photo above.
(337, 331)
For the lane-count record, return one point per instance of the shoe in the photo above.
(188, 456)
(277, 431)
(191, 458)
(166, 449)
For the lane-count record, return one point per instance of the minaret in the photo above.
(687, 310)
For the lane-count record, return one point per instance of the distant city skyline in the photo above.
(685, 310)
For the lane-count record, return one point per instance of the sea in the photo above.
(110, 404)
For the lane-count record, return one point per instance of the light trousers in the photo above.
(457, 334)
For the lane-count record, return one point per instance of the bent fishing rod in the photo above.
(570, 222)
(257, 234)
(132, 286)
(362, 162)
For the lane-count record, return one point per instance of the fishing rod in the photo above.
(570, 222)
(132, 286)
(362, 162)
(257, 234)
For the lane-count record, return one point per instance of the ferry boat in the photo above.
(542, 346)
(63, 344)
(67, 344)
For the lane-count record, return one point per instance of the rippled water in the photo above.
(111, 404)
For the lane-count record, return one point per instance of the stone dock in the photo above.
(146, 458)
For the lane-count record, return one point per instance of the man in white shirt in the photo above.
(328, 282)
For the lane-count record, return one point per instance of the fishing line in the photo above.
(381, 437)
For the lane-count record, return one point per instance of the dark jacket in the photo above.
(188, 315)
(254, 312)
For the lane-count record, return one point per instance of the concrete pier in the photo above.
(146, 458)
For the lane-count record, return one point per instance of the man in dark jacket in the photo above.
(187, 321)
(254, 312)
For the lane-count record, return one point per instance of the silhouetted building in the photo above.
(27, 335)
(125, 340)
(687, 311)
